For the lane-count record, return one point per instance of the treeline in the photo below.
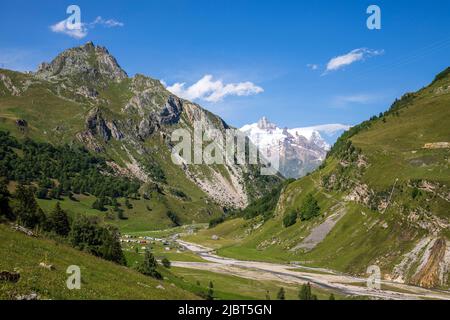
(82, 232)
(343, 141)
(264, 206)
(60, 170)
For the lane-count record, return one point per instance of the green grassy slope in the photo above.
(100, 279)
(391, 185)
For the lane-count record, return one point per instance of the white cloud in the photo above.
(331, 129)
(77, 33)
(354, 99)
(213, 90)
(353, 56)
(110, 23)
(313, 66)
(82, 30)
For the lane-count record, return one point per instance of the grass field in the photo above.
(227, 287)
(100, 279)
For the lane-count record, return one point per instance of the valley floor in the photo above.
(324, 279)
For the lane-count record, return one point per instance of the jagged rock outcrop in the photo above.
(89, 62)
(97, 125)
(171, 112)
(13, 90)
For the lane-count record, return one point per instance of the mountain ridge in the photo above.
(83, 96)
(301, 149)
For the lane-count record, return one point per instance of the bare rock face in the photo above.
(428, 274)
(88, 62)
(87, 92)
(171, 112)
(115, 132)
(147, 127)
(9, 85)
(426, 265)
(89, 140)
(97, 125)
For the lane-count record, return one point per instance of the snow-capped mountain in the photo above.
(301, 150)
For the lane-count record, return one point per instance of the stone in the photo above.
(9, 276)
(47, 266)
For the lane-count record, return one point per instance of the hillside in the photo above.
(83, 99)
(100, 279)
(383, 195)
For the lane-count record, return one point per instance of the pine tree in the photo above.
(149, 265)
(128, 204)
(27, 210)
(110, 248)
(210, 292)
(331, 297)
(98, 205)
(305, 293)
(5, 209)
(58, 221)
(281, 294)
(42, 193)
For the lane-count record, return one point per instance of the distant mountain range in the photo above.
(301, 149)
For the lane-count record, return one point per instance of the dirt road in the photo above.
(321, 278)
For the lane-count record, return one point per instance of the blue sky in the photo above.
(259, 54)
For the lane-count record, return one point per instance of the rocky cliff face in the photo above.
(88, 62)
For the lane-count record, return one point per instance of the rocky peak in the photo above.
(90, 62)
(265, 124)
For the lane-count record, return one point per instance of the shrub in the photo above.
(174, 218)
(309, 208)
(290, 219)
(99, 205)
(216, 221)
(166, 263)
(281, 294)
(415, 193)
